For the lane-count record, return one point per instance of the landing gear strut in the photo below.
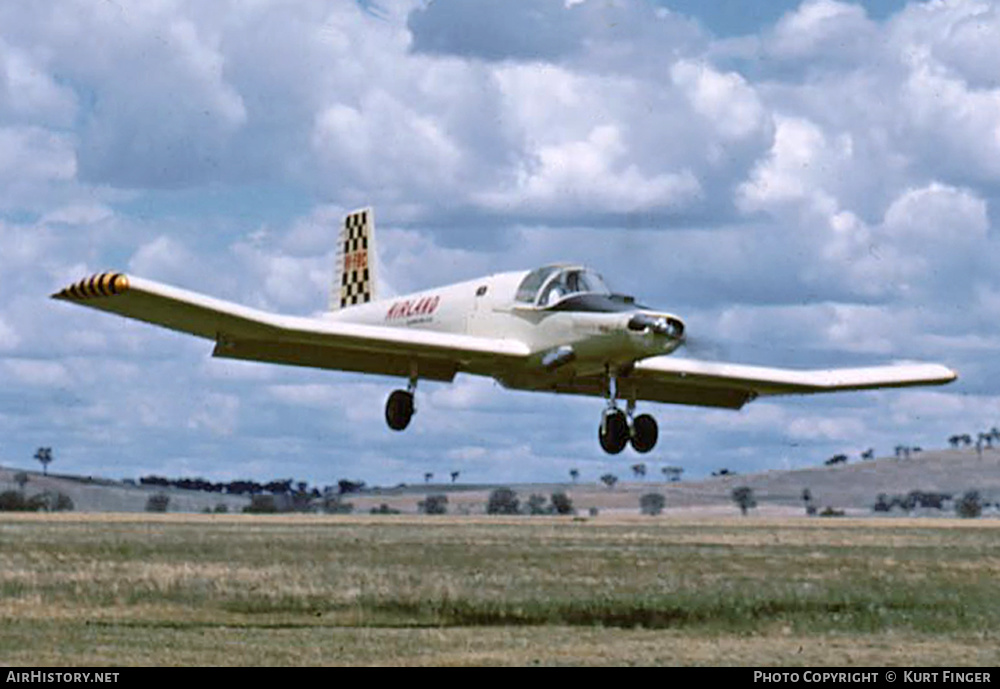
(399, 407)
(620, 428)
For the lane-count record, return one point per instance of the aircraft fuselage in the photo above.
(565, 338)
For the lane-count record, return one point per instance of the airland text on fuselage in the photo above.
(411, 308)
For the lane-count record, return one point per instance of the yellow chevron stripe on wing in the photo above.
(95, 287)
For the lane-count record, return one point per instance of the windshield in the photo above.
(549, 285)
(531, 284)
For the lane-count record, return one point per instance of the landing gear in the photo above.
(619, 428)
(644, 433)
(613, 432)
(399, 407)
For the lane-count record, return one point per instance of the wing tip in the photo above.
(96, 286)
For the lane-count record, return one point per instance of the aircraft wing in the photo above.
(714, 384)
(250, 334)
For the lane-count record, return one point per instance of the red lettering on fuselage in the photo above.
(409, 308)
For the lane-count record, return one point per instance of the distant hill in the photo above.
(91, 494)
(853, 487)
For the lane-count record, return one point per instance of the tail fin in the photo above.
(354, 273)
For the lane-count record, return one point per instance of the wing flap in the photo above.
(244, 333)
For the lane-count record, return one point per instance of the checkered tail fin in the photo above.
(354, 273)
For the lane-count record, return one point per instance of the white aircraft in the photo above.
(557, 329)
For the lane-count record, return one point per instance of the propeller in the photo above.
(705, 348)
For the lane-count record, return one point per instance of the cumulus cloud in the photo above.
(826, 29)
(592, 176)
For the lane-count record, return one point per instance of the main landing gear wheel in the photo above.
(644, 433)
(619, 428)
(399, 409)
(613, 431)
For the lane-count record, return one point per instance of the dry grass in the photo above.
(307, 590)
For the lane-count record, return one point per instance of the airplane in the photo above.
(557, 328)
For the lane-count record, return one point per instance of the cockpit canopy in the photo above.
(549, 285)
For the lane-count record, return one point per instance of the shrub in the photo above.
(536, 504)
(158, 502)
(384, 509)
(652, 504)
(503, 501)
(13, 501)
(334, 504)
(561, 504)
(221, 508)
(50, 501)
(261, 504)
(969, 506)
(434, 504)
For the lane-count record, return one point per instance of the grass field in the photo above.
(309, 590)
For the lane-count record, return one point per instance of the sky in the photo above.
(806, 184)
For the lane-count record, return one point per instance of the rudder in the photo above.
(355, 267)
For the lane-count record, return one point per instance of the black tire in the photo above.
(613, 432)
(399, 409)
(644, 433)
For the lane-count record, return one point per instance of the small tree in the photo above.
(609, 480)
(503, 501)
(672, 474)
(882, 503)
(561, 504)
(345, 486)
(434, 504)
(574, 474)
(428, 476)
(12, 501)
(744, 498)
(639, 470)
(454, 476)
(652, 504)
(536, 504)
(158, 502)
(969, 506)
(44, 455)
(21, 479)
(50, 501)
(335, 504)
(807, 500)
